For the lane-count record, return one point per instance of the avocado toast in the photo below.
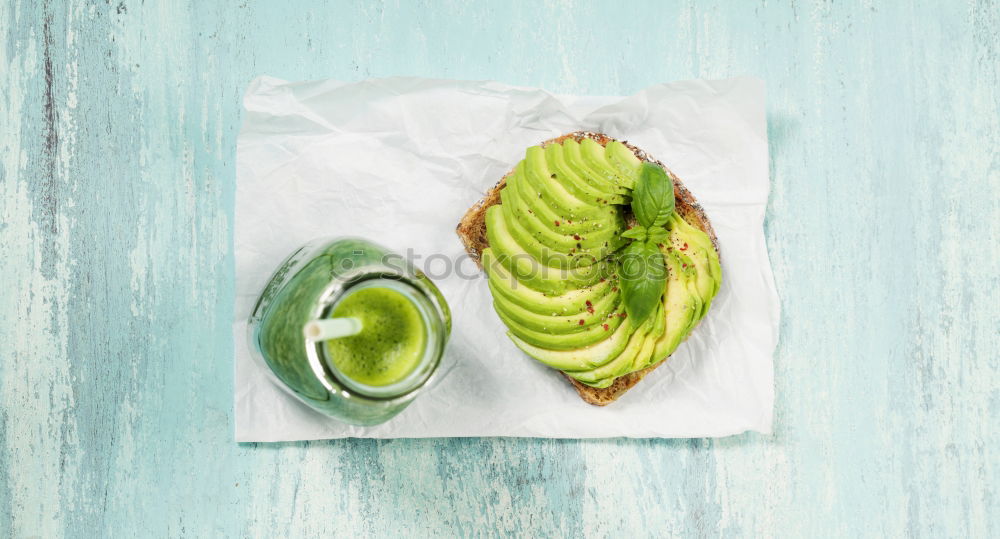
(560, 237)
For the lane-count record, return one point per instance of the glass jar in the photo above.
(307, 286)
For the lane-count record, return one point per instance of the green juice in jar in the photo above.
(391, 343)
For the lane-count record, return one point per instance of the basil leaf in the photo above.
(657, 234)
(636, 233)
(643, 277)
(653, 196)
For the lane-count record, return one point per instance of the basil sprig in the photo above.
(643, 272)
(641, 233)
(643, 279)
(653, 197)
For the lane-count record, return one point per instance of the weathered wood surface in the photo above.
(117, 132)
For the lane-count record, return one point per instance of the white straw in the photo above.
(331, 328)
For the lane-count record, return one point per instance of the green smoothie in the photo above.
(365, 378)
(392, 341)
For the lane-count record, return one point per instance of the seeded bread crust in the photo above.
(472, 231)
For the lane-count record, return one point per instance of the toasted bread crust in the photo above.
(472, 231)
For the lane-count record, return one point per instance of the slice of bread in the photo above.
(472, 231)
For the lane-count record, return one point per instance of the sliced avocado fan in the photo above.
(553, 264)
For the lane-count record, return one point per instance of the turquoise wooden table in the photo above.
(117, 140)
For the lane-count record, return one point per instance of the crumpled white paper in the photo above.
(400, 160)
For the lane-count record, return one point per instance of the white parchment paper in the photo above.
(399, 161)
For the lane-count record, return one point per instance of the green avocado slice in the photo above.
(523, 199)
(561, 341)
(569, 208)
(694, 248)
(604, 375)
(605, 178)
(546, 249)
(680, 307)
(573, 301)
(576, 183)
(690, 274)
(639, 347)
(580, 359)
(545, 243)
(646, 357)
(595, 156)
(700, 282)
(526, 198)
(704, 254)
(530, 271)
(555, 322)
(624, 161)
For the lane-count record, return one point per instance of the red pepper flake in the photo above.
(602, 279)
(557, 223)
(614, 288)
(685, 247)
(605, 327)
(660, 245)
(589, 304)
(684, 265)
(624, 315)
(590, 310)
(628, 227)
(581, 321)
(576, 237)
